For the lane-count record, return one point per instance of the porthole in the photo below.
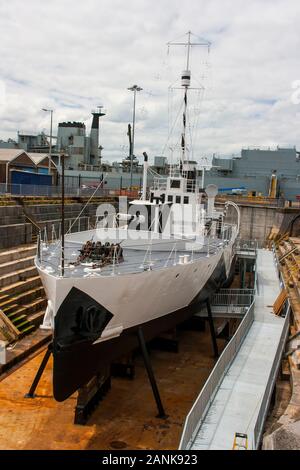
(177, 275)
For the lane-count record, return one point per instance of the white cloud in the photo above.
(2, 96)
(72, 56)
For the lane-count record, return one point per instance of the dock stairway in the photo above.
(22, 296)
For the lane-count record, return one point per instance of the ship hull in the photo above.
(78, 359)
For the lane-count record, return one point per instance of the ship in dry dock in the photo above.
(172, 248)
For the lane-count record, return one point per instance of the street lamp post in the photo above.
(62, 158)
(134, 88)
(50, 150)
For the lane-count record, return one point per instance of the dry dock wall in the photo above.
(15, 229)
(15, 234)
(256, 222)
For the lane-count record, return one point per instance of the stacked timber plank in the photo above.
(289, 258)
(288, 253)
(284, 432)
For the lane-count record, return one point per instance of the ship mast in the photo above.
(186, 82)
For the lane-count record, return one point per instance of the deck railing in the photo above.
(152, 258)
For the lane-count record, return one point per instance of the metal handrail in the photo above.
(237, 290)
(263, 410)
(134, 266)
(233, 297)
(259, 425)
(49, 226)
(28, 190)
(246, 245)
(212, 248)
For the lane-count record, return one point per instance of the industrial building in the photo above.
(253, 169)
(28, 142)
(82, 150)
(18, 167)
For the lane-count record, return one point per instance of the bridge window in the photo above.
(175, 183)
(170, 198)
(178, 199)
(185, 200)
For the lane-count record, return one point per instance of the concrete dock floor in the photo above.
(125, 419)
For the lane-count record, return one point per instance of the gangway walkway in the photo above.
(236, 396)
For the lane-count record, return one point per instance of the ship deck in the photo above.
(134, 261)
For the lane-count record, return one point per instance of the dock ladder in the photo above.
(240, 441)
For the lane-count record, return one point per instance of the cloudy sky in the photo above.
(72, 56)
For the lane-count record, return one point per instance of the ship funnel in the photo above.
(144, 193)
(94, 137)
(211, 191)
